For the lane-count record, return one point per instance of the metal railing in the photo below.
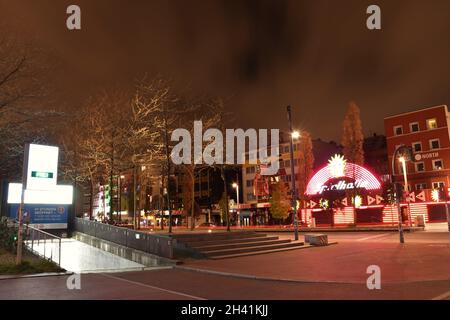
(39, 242)
(43, 244)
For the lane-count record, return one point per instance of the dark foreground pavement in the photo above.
(418, 269)
(189, 285)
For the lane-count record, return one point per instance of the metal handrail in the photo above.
(41, 237)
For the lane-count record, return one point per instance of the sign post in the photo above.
(39, 172)
(21, 205)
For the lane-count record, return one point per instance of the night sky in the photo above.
(258, 55)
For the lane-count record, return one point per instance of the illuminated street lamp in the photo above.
(236, 186)
(294, 135)
(405, 178)
(398, 150)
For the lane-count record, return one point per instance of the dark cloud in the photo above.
(259, 55)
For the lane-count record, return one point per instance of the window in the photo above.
(287, 163)
(437, 164)
(286, 149)
(250, 170)
(438, 185)
(420, 166)
(421, 186)
(250, 196)
(281, 164)
(434, 144)
(249, 183)
(414, 127)
(398, 130)
(431, 124)
(417, 146)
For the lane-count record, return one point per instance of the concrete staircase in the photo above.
(221, 245)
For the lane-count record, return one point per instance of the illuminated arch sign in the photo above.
(341, 175)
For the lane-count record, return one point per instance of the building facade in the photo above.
(427, 132)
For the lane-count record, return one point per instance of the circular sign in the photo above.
(418, 157)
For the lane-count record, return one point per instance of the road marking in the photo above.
(373, 237)
(442, 296)
(153, 287)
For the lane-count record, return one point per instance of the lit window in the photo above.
(438, 185)
(414, 127)
(437, 164)
(432, 123)
(398, 130)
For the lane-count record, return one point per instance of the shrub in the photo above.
(8, 235)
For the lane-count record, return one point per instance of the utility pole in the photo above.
(293, 190)
(225, 190)
(111, 194)
(166, 138)
(134, 197)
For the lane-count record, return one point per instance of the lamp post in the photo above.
(294, 135)
(236, 186)
(405, 178)
(397, 191)
(119, 200)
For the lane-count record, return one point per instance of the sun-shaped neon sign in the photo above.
(435, 195)
(336, 166)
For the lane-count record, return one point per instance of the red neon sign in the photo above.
(360, 178)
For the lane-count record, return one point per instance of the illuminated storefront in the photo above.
(343, 193)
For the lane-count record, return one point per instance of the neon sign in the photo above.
(341, 175)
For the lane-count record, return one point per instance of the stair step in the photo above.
(213, 237)
(250, 249)
(242, 245)
(214, 233)
(245, 254)
(199, 244)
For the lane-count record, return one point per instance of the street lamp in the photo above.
(236, 186)
(405, 178)
(397, 150)
(294, 135)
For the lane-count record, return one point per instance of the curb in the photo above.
(36, 275)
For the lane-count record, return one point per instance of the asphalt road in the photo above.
(419, 269)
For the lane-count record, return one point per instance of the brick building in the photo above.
(427, 131)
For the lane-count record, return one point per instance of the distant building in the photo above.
(256, 190)
(427, 131)
(375, 155)
(323, 151)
